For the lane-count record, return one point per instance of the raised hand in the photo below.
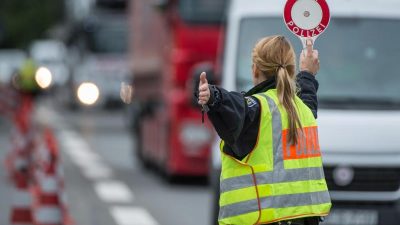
(204, 90)
(309, 60)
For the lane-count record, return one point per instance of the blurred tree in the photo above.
(25, 20)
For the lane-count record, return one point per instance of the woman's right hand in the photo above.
(309, 59)
(204, 90)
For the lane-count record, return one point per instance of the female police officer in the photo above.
(271, 161)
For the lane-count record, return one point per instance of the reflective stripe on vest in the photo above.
(266, 196)
(280, 201)
(302, 174)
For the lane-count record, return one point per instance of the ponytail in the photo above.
(286, 88)
(275, 56)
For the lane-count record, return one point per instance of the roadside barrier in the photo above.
(46, 203)
(33, 165)
(21, 213)
(18, 156)
(47, 208)
(22, 142)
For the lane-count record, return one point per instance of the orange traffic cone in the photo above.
(22, 200)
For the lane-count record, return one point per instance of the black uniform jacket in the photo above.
(236, 117)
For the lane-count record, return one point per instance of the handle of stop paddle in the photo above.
(304, 42)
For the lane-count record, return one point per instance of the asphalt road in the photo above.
(105, 183)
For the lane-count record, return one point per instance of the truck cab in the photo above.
(359, 99)
(171, 43)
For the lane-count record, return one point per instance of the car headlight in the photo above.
(43, 77)
(88, 93)
(194, 136)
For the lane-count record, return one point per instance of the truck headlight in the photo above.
(194, 136)
(43, 77)
(88, 93)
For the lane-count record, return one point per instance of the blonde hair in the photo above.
(275, 56)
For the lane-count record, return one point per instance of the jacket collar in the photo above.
(262, 87)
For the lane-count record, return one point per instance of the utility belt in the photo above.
(300, 221)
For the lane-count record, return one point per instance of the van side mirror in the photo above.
(206, 67)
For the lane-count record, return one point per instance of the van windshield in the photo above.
(202, 11)
(359, 59)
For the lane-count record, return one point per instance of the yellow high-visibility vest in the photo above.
(276, 181)
(27, 82)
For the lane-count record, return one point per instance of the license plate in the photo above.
(352, 217)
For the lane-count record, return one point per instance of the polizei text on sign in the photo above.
(306, 33)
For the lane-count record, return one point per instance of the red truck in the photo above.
(172, 41)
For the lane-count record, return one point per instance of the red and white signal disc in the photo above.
(307, 18)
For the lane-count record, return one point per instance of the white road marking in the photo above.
(132, 216)
(72, 144)
(97, 172)
(88, 161)
(81, 154)
(92, 167)
(113, 192)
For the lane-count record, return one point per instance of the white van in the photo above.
(359, 98)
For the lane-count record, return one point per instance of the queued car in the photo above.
(52, 54)
(101, 77)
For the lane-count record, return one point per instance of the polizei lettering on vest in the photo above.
(307, 144)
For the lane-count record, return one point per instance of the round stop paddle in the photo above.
(307, 18)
